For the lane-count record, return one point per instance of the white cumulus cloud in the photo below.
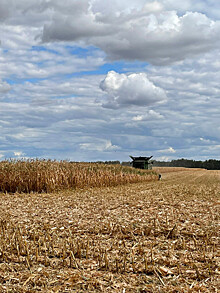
(134, 89)
(151, 114)
(18, 154)
(169, 150)
(99, 146)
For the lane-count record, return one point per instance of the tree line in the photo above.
(208, 164)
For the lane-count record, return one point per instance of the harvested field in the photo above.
(160, 236)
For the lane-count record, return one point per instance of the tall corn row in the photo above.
(49, 176)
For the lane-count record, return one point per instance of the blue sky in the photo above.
(102, 80)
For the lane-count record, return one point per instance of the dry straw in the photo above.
(26, 176)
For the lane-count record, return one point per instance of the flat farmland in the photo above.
(159, 236)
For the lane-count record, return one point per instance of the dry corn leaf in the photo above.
(165, 271)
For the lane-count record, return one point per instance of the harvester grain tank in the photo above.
(141, 162)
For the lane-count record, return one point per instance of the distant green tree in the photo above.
(208, 164)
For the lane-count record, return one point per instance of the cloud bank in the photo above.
(102, 80)
(158, 32)
(150, 34)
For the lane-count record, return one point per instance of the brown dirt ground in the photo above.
(147, 237)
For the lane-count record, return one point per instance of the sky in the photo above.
(89, 80)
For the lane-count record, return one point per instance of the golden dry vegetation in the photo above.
(26, 176)
(153, 236)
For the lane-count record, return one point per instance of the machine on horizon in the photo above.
(142, 162)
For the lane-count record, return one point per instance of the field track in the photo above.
(160, 236)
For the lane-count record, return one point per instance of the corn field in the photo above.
(152, 236)
(49, 176)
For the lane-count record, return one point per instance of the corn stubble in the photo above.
(158, 236)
